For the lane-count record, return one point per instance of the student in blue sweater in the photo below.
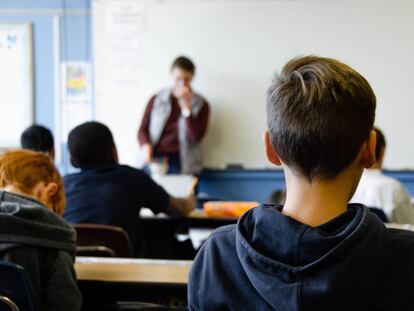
(315, 252)
(106, 192)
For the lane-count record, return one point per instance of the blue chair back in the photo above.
(15, 288)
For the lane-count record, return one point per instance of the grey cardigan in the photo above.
(191, 155)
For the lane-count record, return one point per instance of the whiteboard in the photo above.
(237, 45)
(16, 82)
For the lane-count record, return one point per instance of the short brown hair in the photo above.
(319, 113)
(184, 63)
(24, 169)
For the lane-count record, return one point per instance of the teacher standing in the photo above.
(175, 122)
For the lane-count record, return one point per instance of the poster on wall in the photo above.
(76, 95)
(76, 85)
(16, 82)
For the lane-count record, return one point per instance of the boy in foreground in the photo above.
(316, 252)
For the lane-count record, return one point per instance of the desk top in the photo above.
(132, 270)
(200, 214)
(146, 213)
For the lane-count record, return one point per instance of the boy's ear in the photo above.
(368, 152)
(271, 153)
(51, 189)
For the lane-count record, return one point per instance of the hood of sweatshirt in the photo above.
(335, 266)
(24, 221)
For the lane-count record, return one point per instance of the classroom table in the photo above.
(104, 281)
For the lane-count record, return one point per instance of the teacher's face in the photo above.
(181, 78)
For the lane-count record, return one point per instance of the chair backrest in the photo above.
(102, 240)
(95, 251)
(16, 292)
(380, 214)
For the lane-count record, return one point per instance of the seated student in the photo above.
(32, 234)
(383, 192)
(105, 192)
(38, 138)
(315, 252)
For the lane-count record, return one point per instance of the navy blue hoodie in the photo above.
(269, 261)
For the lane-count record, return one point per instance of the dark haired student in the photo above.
(38, 138)
(175, 122)
(315, 252)
(386, 193)
(105, 192)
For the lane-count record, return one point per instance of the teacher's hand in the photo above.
(184, 98)
(182, 206)
(147, 149)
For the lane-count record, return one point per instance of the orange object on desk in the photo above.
(227, 209)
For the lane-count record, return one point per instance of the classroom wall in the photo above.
(237, 46)
(61, 33)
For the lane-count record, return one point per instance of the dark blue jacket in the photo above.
(113, 195)
(269, 261)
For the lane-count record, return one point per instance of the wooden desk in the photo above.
(144, 271)
(104, 281)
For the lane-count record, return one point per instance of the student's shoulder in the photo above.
(402, 241)
(71, 176)
(402, 254)
(201, 97)
(397, 280)
(386, 185)
(224, 231)
(129, 170)
(131, 175)
(389, 182)
(222, 239)
(218, 249)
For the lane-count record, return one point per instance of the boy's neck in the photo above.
(318, 202)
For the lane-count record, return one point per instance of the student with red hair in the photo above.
(32, 233)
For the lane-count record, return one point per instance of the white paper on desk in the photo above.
(145, 212)
(175, 185)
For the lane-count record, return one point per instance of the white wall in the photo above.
(237, 45)
(16, 82)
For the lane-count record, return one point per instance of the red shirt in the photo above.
(168, 142)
